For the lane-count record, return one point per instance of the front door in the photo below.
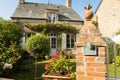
(53, 44)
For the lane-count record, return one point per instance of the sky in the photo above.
(7, 7)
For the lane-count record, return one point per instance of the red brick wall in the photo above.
(90, 67)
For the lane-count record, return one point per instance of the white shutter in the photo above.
(63, 41)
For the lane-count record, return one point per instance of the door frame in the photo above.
(53, 43)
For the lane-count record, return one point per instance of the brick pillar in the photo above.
(90, 67)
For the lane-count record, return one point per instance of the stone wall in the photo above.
(109, 17)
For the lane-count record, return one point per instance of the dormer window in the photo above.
(51, 15)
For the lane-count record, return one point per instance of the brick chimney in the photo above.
(68, 3)
(21, 1)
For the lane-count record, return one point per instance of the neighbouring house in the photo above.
(36, 13)
(108, 14)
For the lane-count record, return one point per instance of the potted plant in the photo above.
(58, 68)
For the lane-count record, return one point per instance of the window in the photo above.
(70, 41)
(53, 40)
(51, 17)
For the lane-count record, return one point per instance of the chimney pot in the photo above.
(21, 1)
(68, 3)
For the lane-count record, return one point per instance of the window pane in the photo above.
(51, 17)
(72, 45)
(70, 41)
(68, 36)
(68, 45)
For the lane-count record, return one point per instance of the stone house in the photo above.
(108, 17)
(36, 13)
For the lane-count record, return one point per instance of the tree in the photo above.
(10, 38)
(10, 32)
(38, 45)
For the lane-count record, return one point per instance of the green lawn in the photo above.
(30, 75)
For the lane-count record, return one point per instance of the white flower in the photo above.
(7, 66)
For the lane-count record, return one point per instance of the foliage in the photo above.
(95, 23)
(73, 76)
(10, 37)
(111, 70)
(50, 27)
(70, 55)
(10, 54)
(2, 20)
(29, 75)
(111, 51)
(117, 60)
(10, 32)
(38, 45)
(118, 32)
(59, 64)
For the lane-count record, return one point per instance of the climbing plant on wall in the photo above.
(53, 27)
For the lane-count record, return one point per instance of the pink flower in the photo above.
(57, 52)
(54, 57)
(46, 66)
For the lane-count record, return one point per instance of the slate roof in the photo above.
(37, 10)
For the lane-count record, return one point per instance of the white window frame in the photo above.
(52, 17)
(70, 41)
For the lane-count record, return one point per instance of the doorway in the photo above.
(53, 44)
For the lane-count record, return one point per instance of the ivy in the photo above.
(53, 27)
(118, 32)
(95, 23)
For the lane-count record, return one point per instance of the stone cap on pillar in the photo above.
(89, 32)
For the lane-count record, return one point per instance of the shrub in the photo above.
(118, 60)
(10, 55)
(10, 37)
(111, 51)
(10, 32)
(70, 55)
(38, 45)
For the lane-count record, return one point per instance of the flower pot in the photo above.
(47, 76)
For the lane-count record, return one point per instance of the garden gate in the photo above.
(113, 69)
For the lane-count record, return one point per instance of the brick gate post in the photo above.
(90, 51)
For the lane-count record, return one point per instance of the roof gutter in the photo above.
(72, 20)
(28, 18)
